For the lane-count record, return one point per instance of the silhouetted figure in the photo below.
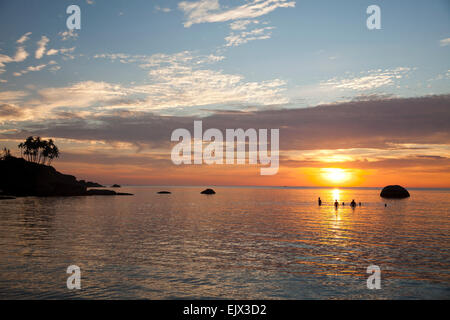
(353, 203)
(343, 203)
(319, 201)
(336, 203)
(385, 205)
(360, 204)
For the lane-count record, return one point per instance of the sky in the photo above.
(355, 107)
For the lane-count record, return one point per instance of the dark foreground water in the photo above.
(242, 243)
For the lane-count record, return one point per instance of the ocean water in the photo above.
(242, 243)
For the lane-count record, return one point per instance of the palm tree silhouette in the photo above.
(36, 150)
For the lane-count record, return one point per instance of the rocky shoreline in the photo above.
(21, 178)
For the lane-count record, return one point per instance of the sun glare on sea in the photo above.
(335, 175)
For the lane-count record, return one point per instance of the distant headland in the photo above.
(22, 178)
(35, 177)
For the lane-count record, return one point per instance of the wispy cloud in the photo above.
(444, 42)
(68, 35)
(162, 9)
(241, 24)
(20, 56)
(24, 38)
(241, 38)
(52, 63)
(11, 97)
(40, 51)
(210, 10)
(370, 80)
(184, 79)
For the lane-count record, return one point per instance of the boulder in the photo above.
(394, 192)
(208, 191)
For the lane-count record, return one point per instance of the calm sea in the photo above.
(242, 243)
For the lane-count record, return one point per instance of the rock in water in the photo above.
(100, 192)
(208, 191)
(115, 186)
(164, 192)
(394, 192)
(103, 192)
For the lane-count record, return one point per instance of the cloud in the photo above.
(241, 24)
(184, 79)
(68, 35)
(24, 38)
(52, 52)
(203, 11)
(82, 94)
(444, 42)
(371, 80)
(166, 10)
(256, 34)
(40, 51)
(20, 56)
(30, 69)
(9, 111)
(11, 97)
(390, 124)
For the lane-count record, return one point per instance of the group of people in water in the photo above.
(336, 203)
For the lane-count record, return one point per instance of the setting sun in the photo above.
(335, 175)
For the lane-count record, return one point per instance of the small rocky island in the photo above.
(208, 191)
(21, 178)
(394, 192)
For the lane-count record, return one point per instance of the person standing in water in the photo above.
(336, 203)
(353, 203)
(319, 201)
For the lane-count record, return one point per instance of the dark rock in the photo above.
(115, 186)
(23, 178)
(164, 192)
(394, 192)
(103, 192)
(91, 184)
(100, 192)
(208, 191)
(6, 197)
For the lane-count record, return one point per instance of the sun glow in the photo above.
(335, 175)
